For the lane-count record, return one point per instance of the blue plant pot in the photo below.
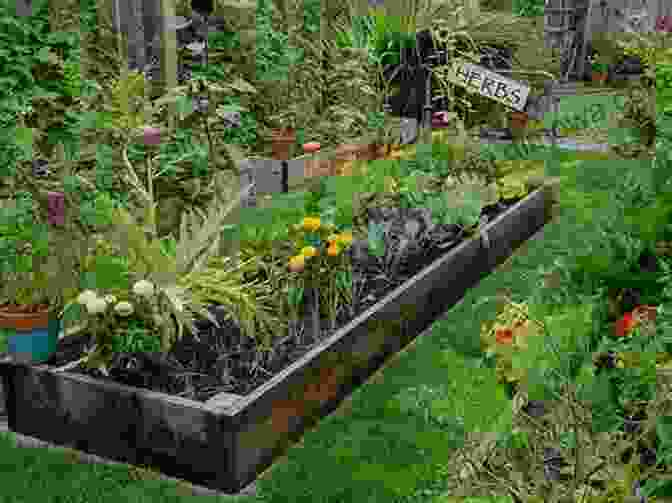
(35, 345)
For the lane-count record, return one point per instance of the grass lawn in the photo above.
(580, 114)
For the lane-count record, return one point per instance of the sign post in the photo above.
(489, 84)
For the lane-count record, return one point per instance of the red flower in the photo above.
(625, 325)
(504, 335)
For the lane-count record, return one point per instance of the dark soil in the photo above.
(215, 360)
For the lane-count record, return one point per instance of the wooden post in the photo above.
(168, 58)
(587, 36)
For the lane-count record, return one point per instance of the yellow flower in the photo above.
(308, 251)
(345, 238)
(310, 224)
(297, 263)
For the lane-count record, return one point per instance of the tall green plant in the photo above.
(274, 55)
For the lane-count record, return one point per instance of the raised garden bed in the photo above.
(225, 441)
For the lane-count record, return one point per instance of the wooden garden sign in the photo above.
(489, 84)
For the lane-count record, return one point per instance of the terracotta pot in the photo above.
(24, 317)
(599, 77)
(518, 122)
(282, 141)
(314, 167)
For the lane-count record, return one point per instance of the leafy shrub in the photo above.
(529, 8)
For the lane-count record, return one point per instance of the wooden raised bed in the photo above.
(227, 442)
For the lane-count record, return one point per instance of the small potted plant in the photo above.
(283, 135)
(600, 69)
(41, 244)
(314, 166)
(26, 308)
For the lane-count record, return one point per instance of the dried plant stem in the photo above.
(132, 177)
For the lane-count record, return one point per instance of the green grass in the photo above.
(588, 112)
(581, 106)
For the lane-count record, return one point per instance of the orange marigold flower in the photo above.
(504, 335)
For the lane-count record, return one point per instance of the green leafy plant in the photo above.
(108, 319)
(387, 37)
(412, 190)
(446, 37)
(564, 439)
(664, 88)
(24, 252)
(599, 64)
(314, 197)
(251, 303)
(174, 275)
(357, 35)
(137, 339)
(128, 108)
(376, 239)
(529, 8)
(503, 339)
(311, 16)
(274, 56)
(461, 206)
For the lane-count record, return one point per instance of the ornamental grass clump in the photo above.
(251, 303)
